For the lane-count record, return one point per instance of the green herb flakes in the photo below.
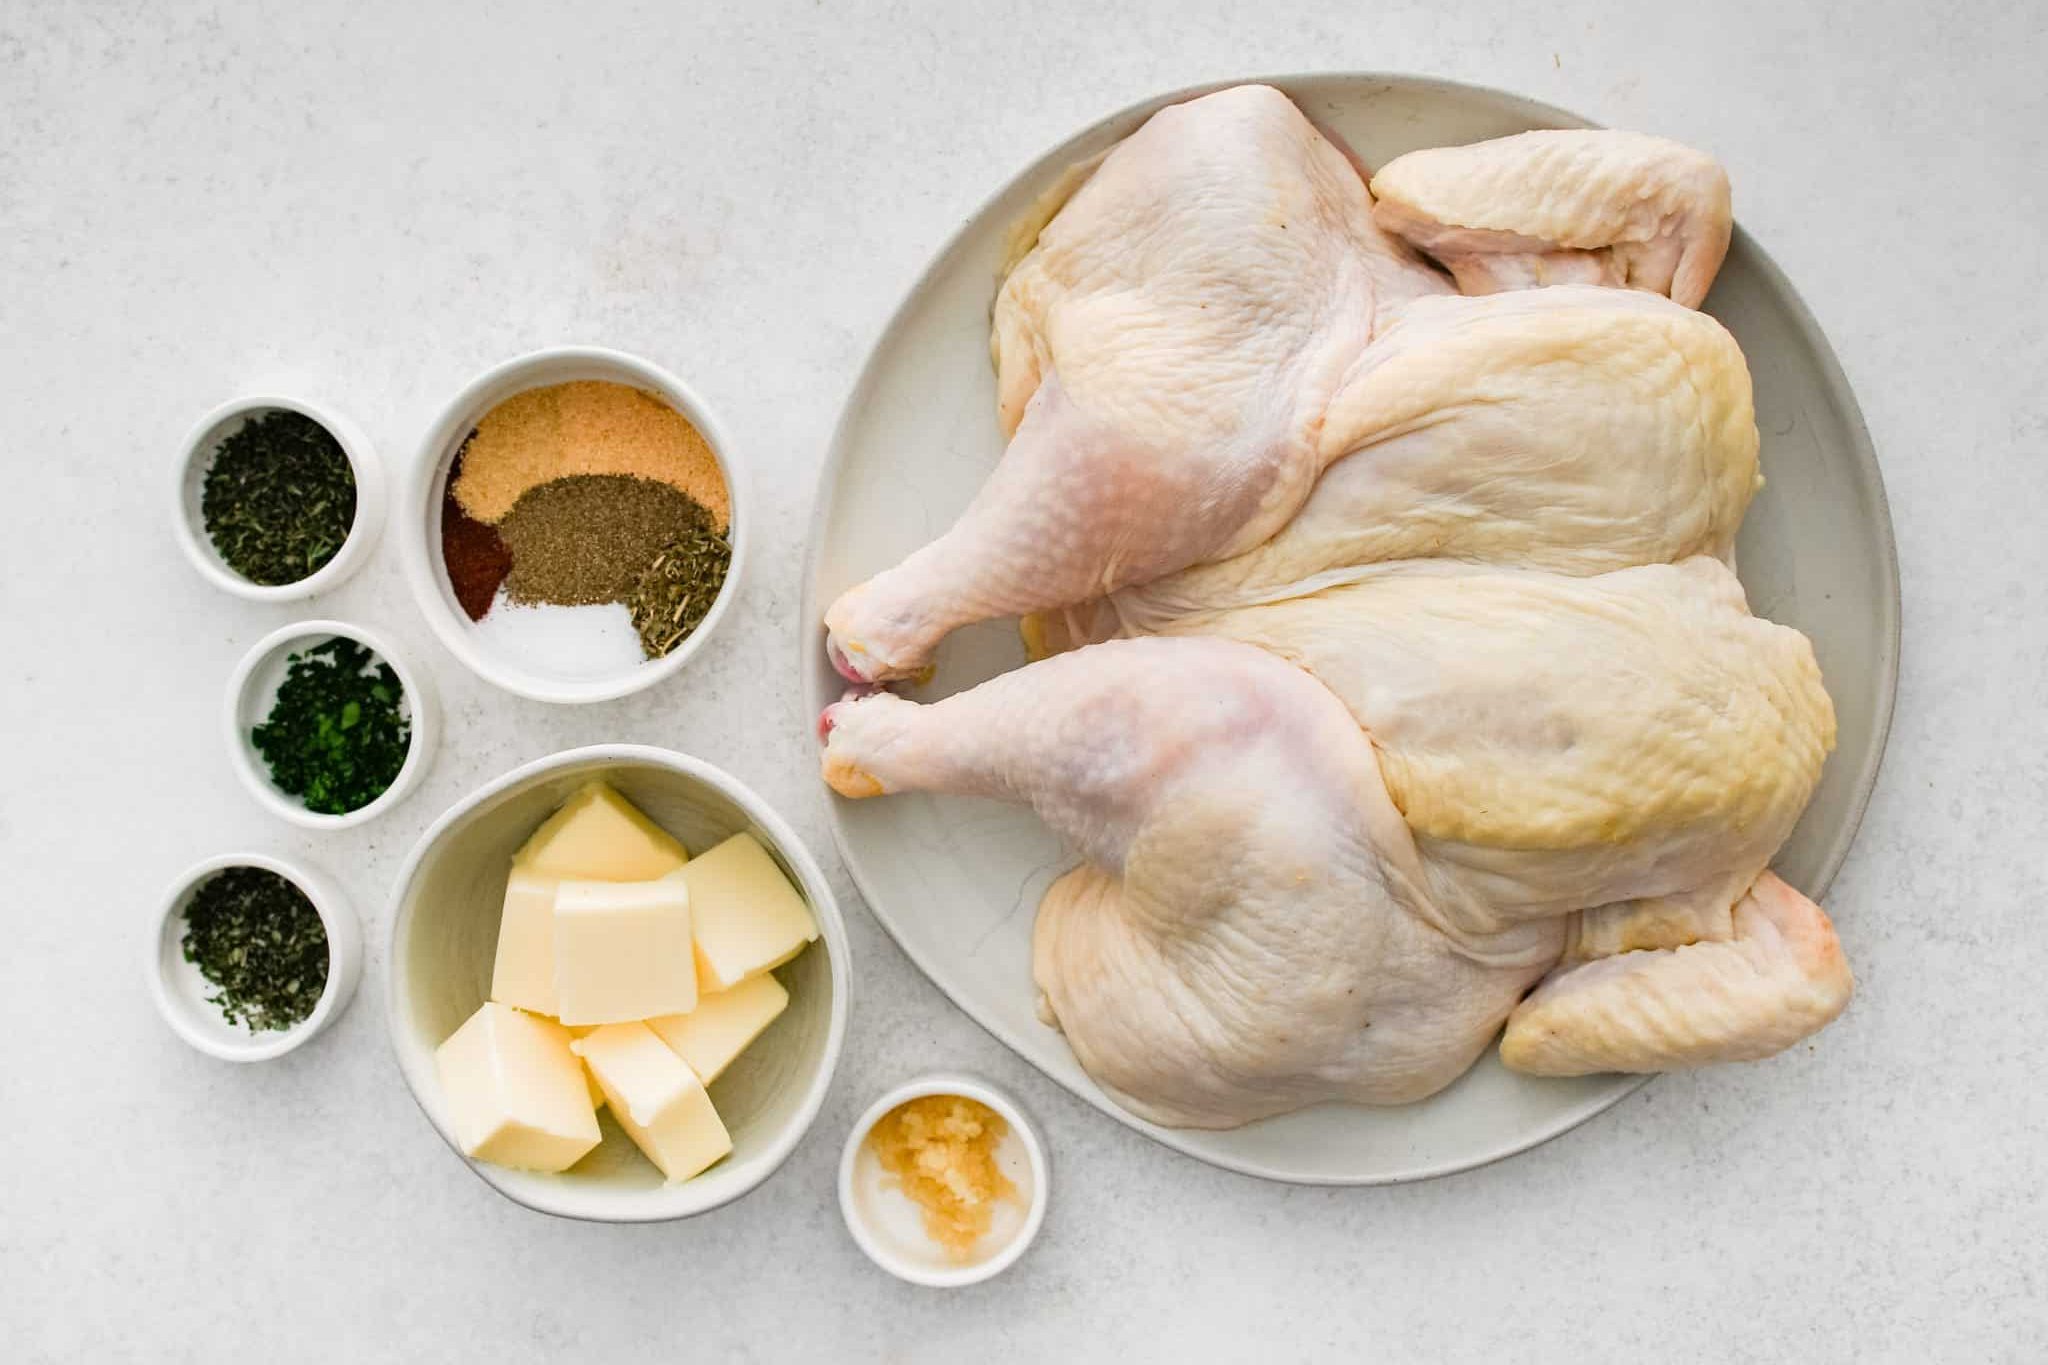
(279, 498)
(260, 943)
(677, 589)
(337, 734)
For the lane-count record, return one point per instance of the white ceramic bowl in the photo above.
(444, 932)
(181, 992)
(888, 1226)
(429, 479)
(195, 457)
(252, 688)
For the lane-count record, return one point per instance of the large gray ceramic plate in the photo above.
(957, 881)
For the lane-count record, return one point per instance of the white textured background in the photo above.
(374, 201)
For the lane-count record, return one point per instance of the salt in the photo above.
(565, 642)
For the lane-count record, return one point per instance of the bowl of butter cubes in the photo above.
(617, 984)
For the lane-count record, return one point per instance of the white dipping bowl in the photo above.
(252, 688)
(195, 458)
(181, 992)
(889, 1227)
(444, 935)
(485, 656)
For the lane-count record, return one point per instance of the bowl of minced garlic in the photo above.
(578, 525)
(944, 1181)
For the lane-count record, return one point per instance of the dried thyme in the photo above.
(260, 943)
(279, 498)
(677, 589)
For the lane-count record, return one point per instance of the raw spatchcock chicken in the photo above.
(1372, 542)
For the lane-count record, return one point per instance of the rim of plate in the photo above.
(810, 634)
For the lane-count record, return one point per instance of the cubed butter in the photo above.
(658, 1101)
(623, 951)
(722, 1025)
(596, 1090)
(746, 916)
(599, 835)
(524, 974)
(515, 1092)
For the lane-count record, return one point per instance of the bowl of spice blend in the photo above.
(251, 956)
(277, 498)
(326, 724)
(576, 525)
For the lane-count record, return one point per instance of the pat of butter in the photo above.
(599, 835)
(524, 974)
(722, 1025)
(623, 951)
(596, 1090)
(746, 916)
(658, 1101)
(514, 1091)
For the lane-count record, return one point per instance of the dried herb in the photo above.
(678, 588)
(337, 734)
(260, 943)
(279, 498)
(588, 538)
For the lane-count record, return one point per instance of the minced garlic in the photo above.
(941, 1149)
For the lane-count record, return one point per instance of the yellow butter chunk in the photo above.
(514, 1091)
(659, 1101)
(596, 1090)
(599, 835)
(623, 951)
(746, 916)
(524, 973)
(722, 1025)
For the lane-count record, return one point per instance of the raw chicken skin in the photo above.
(1557, 207)
(1610, 720)
(1242, 940)
(1185, 349)
(1574, 429)
(1165, 353)
(1392, 833)
(1693, 1004)
(1443, 682)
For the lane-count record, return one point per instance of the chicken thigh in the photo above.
(1243, 939)
(1164, 353)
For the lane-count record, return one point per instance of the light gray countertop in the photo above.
(376, 201)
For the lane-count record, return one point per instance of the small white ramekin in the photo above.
(180, 991)
(188, 519)
(896, 1244)
(253, 686)
(421, 517)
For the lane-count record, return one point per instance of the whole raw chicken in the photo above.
(1389, 659)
